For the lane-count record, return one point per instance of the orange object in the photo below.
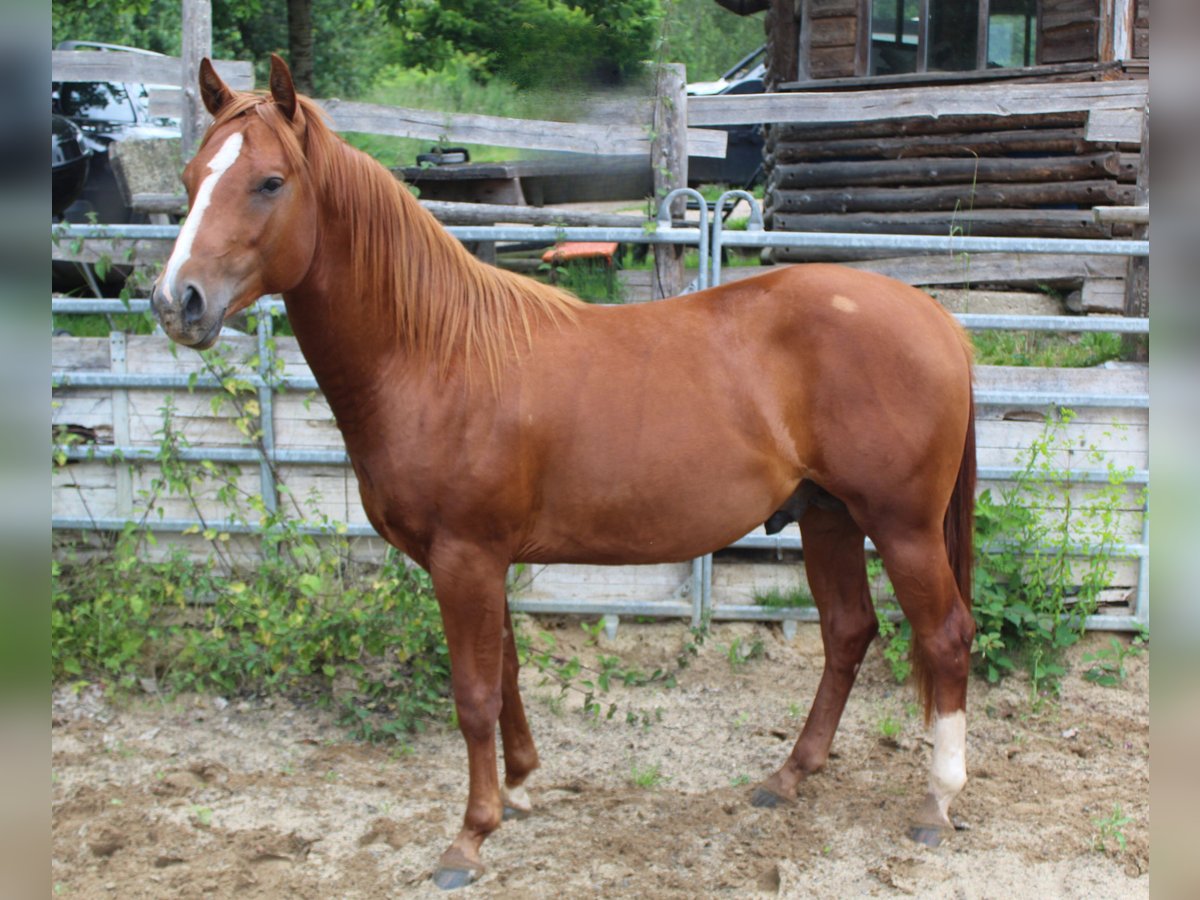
(569, 252)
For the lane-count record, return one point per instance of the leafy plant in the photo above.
(1108, 664)
(1111, 830)
(1044, 553)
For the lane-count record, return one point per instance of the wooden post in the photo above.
(1137, 274)
(668, 158)
(197, 44)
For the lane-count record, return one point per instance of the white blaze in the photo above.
(217, 166)
(948, 771)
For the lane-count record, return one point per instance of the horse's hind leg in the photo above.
(943, 628)
(520, 754)
(837, 574)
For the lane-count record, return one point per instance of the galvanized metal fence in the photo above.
(710, 240)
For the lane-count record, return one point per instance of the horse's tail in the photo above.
(959, 530)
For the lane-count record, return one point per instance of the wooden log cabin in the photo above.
(992, 171)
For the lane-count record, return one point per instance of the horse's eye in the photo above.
(270, 185)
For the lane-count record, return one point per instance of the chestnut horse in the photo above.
(491, 419)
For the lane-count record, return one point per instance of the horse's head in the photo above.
(251, 226)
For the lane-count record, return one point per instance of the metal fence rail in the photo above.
(710, 240)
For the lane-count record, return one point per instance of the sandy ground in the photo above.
(200, 796)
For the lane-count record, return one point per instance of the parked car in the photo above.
(70, 161)
(743, 162)
(102, 113)
(106, 112)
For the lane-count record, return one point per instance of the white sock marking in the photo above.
(217, 166)
(948, 771)
(516, 797)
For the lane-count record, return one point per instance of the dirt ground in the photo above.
(200, 796)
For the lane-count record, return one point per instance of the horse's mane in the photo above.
(445, 305)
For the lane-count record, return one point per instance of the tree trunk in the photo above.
(300, 44)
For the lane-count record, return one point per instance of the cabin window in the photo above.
(951, 35)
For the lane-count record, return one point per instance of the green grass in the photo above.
(450, 91)
(1040, 348)
(776, 598)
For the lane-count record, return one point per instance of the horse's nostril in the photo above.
(193, 305)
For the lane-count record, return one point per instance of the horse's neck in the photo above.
(345, 340)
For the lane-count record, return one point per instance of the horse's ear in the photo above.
(213, 91)
(283, 91)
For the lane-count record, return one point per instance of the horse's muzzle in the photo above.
(186, 316)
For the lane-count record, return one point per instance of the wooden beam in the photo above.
(499, 131)
(197, 44)
(995, 99)
(946, 170)
(949, 197)
(1123, 126)
(1133, 215)
(977, 268)
(1137, 275)
(135, 68)
(1062, 223)
(668, 161)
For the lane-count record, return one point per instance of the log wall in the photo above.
(1031, 174)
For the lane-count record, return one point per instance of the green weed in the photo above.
(1051, 541)
(778, 598)
(1111, 830)
(648, 776)
(1108, 664)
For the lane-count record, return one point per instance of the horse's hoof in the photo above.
(451, 879)
(765, 799)
(929, 835)
(515, 813)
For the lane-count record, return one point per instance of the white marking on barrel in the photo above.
(948, 771)
(845, 304)
(217, 166)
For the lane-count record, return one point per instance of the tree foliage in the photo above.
(531, 43)
(352, 42)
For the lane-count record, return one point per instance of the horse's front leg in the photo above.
(470, 591)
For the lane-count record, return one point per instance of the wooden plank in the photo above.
(1136, 301)
(86, 490)
(944, 170)
(824, 9)
(1103, 295)
(90, 65)
(828, 62)
(1061, 72)
(500, 131)
(841, 31)
(1034, 269)
(1119, 125)
(963, 196)
(980, 222)
(490, 214)
(121, 251)
(80, 354)
(1114, 378)
(1000, 99)
(1072, 43)
(1133, 215)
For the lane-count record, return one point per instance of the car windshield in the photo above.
(96, 101)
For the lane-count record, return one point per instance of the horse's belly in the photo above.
(674, 510)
